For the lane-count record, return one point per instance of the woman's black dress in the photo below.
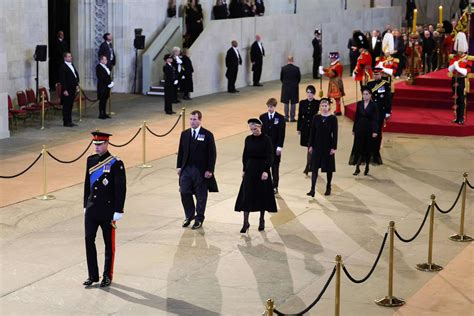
(256, 195)
(323, 138)
(365, 123)
(307, 110)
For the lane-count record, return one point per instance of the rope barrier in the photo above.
(373, 266)
(70, 161)
(469, 184)
(454, 204)
(28, 168)
(419, 229)
(165, 134)
(131, 140)
(317, 298)
(87, 98)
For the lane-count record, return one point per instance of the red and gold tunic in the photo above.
(388, 63)
(418, 63)
(336, 86)
(463, 62)
(363, 69)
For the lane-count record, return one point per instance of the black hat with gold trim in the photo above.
(100, 137)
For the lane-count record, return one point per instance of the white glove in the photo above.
(111, 85)
(321, 71)
(353, 75)
(175, 82)
(462, 71)
(388, 71)
(182, 77)
(84, 210)
(456, 64)
(387, 115)
(117, 216)
(379, 65)
(451, 68)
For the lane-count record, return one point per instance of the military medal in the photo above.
(105, 182)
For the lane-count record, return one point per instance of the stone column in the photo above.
(4, 131)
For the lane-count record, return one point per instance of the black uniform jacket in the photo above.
(67, 79)
(203, 153)
(106, 50)
(107, 194)
(256, 55)
(275, 129)
(103, 80)
(381, 94)
(170, 75)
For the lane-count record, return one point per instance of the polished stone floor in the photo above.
(163, 269)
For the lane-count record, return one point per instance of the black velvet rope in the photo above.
(373, 266)
(454, 204)
(28, 168)
(70, 161)
(419, 229)
(131, 140)
(276, 311)
(87, 98)
(469, 184)
(165, 134)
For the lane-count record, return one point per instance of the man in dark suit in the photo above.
(375, 46)
(195, 168)
(106, 49)
(171, 81)
(317, 51)
(105, 187)
(290, 77)
(256, 57)
(104, 84)
(69, 80)
(232, 62)
(274, 126)
(59, 48)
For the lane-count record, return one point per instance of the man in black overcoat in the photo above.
(274, 126)
(69, 80)
(171, 81)
(256, 57)
(195, 167)
(106, 49)
(232, 62)
(290, 78)
(104, 84)
(105, 188)
(375, 46)
(59, 48)
(187, 85)
(317, 51)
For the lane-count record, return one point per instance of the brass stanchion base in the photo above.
(391, 301)
(112, 113)
(46, 197)
(144, 166)
(429, 267)
(461, 238)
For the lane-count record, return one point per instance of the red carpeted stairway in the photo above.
(426, 108)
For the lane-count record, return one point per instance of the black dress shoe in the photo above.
(328, 191)
(197, 225)
(102, 117)
(89, 281)
(176, 101)
(460, 122)
(356, 172)
(186, 222)
(245, 228)
(366, 171)
(233, 91)
(187, 98)
(107, 116)
(258, 85)
(310, 193)
(237, 90)
(105, 281)
(261, 226)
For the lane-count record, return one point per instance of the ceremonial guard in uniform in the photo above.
(363, 70)
(308, 108)
(459, 67)
(381, 95)
(336, 86)
(387, 62)
(104, 197)
(171, 82)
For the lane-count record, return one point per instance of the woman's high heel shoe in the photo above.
(356, 172)
(366, 171)
(310, 193)
(261, 226)
(245, 228)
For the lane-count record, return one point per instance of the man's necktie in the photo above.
(194, 134)
(271, 117)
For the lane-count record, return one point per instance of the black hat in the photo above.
(254, 121)
(167, 56)
(328, 100)
(366, 88)
(317, 31)
(311, 88)
(378, 70)
(360, 40)
(448, 27)
(100, 137)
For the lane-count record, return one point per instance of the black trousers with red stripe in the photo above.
(91, 226)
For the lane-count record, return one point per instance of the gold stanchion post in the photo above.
(183, 118)
(269, 307)
(45, 196)
(461, 236)
(144, 165)
(110, 103)
(430, 266)
(337, 298)
(390, 300)
(42, 110)
(80, 105)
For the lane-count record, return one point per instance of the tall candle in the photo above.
(415, 12)
(440, 14)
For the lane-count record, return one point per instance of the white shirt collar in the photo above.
(71, 67)
(197, 129)
(271, 114)
(106, 68)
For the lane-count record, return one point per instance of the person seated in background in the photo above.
(220, 10)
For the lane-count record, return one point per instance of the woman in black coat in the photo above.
(256, 191)
(322, 145)
(365, 131)
(187, 85)
(307, 110)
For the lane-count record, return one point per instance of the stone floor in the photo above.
(163, 269)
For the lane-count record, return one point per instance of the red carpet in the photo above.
(426, 108)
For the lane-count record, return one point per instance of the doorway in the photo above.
(58, 20)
